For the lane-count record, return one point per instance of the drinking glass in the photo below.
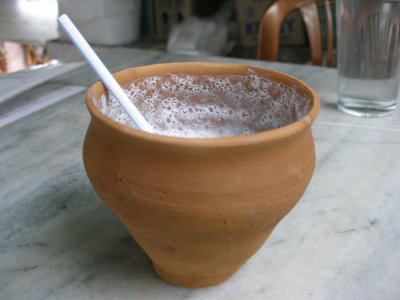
(368, 56)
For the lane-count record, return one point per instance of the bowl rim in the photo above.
(228, 141)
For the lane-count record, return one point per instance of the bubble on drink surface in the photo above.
(208, 106)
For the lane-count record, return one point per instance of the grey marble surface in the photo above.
(58, 241)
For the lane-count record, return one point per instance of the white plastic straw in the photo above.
(102, 72)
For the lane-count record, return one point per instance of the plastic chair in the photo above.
(273, 18)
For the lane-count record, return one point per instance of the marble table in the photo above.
(58, 241)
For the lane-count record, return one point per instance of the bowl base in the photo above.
(190, 281)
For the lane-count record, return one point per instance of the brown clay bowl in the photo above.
(200, 208)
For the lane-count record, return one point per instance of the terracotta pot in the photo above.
(200, 208)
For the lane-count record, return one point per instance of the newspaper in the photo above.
(35, 99)
(16, 83)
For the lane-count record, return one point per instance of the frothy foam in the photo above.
(208, 106)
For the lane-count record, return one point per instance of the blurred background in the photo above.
(29, 34)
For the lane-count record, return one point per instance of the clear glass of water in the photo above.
(368, 56)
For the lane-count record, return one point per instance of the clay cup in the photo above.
(200, 207)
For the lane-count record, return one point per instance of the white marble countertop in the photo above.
(58, 241)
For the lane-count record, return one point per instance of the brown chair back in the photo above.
(273, 18)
